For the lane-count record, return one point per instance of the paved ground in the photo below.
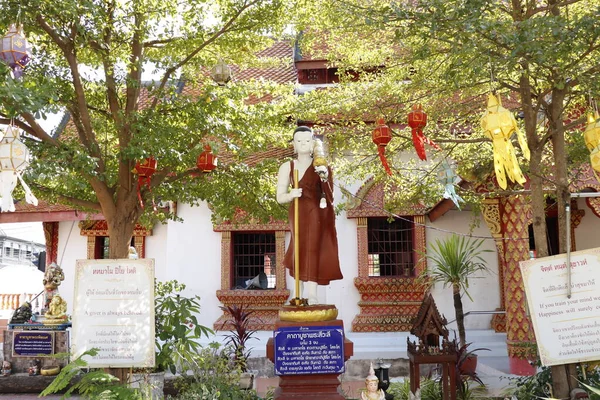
(492, 370)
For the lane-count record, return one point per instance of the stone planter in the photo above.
(151, 385)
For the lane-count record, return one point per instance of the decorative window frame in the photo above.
(387, 304)
(265, 304)
(95, 229)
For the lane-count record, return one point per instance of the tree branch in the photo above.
(224, 29)
(538, 10)
(86, 133)
(159, 42)
(72, 200)
(34, 129)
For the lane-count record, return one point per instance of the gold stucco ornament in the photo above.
(311, 313)
(499, 124)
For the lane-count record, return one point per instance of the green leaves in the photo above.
(94, 384)
(176, 326)
(454, 260)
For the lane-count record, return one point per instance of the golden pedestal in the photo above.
(316, 313)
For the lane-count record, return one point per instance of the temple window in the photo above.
(102, 245)
(98, 241)
(246, 251)
(388, 261)
(253, 253)
(390, 247)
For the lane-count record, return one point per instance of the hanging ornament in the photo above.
(206, 161)
(499, 124)
(144, 170)
(381, 137)
(14, 158)
(417, 120)
(221, 73)
(591, 136)
(448, 178)
(14, 50)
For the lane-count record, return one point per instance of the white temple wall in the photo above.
(484, 287)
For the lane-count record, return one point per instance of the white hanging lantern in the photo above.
(221, 73)
(14, 158)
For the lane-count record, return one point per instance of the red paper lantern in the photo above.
(417, 120)
(144, 170)
(381, 137)
(206, 161)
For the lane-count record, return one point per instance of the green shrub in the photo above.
(213, 374)
(540, 385)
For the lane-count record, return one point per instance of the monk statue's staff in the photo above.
(296, 240)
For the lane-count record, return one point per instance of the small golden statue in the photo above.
(372, 383)
(57, 311)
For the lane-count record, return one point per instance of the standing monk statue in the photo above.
(318, 248)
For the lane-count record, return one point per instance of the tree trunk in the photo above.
(120, 232)
(460, 316)
(564, 377)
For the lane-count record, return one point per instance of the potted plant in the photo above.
(238, 337)
(176, 334)
(452, 262)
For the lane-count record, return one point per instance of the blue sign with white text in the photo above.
(309, 350)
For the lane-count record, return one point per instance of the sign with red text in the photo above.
(113, 311)
(567, 329)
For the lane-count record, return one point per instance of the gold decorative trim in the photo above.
(491, 215)
(231, 227)
(308, 314)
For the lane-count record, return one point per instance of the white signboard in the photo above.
(113, 311)
(567, 330)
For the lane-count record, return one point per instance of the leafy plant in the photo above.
(452, 262)
(539, 386)
(430, 390)
(465, 376)
(95, 384)
(240, 318)
(212, 376)
(176, 325)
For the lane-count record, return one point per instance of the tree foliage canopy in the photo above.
(448, 55)
(91, 58)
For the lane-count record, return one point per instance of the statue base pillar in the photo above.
(309, 386)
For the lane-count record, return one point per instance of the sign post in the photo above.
(309, 350)
(113, 311)
(567, 329)
(309, 356)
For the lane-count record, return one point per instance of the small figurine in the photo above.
(57, 311)
(6, 368)
(133, 255)
(52, 279)
(372, 382)
(21, 314)
(34, 368)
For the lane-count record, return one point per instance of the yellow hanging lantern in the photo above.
(591, 136)
(499, 124)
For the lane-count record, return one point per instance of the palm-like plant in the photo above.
(452, 262)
